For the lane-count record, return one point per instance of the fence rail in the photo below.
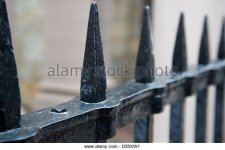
(96, 115)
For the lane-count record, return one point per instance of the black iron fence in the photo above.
(96, 115)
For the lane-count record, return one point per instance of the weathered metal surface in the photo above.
(219, 113)
(202, 96)
(145, 65)
(9, 87)
(221, 52)
(201, 114)
(144, 73)
(179, 55)
(142, 129)
(123, 105)
(93, 79)
(85, 122)
(220, 88)
(97, 114)
(179, 66)
(204, 45)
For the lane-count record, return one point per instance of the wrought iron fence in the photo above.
(96, 115)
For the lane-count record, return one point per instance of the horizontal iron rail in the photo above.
(77, 121)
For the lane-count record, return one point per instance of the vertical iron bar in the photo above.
(177, 122)
(202, 96)
(93, 78)
(9, 86)
(201, 114)
(219, 107)
(219, 113)
(179, 66)
(144, 129)
(144, 73)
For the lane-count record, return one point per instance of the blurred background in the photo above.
(47, 33)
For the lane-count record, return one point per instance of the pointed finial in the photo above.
(144, 72)
(179, 54)
(9, 86)
(93, 80)
(204, 47)
(221, 53)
